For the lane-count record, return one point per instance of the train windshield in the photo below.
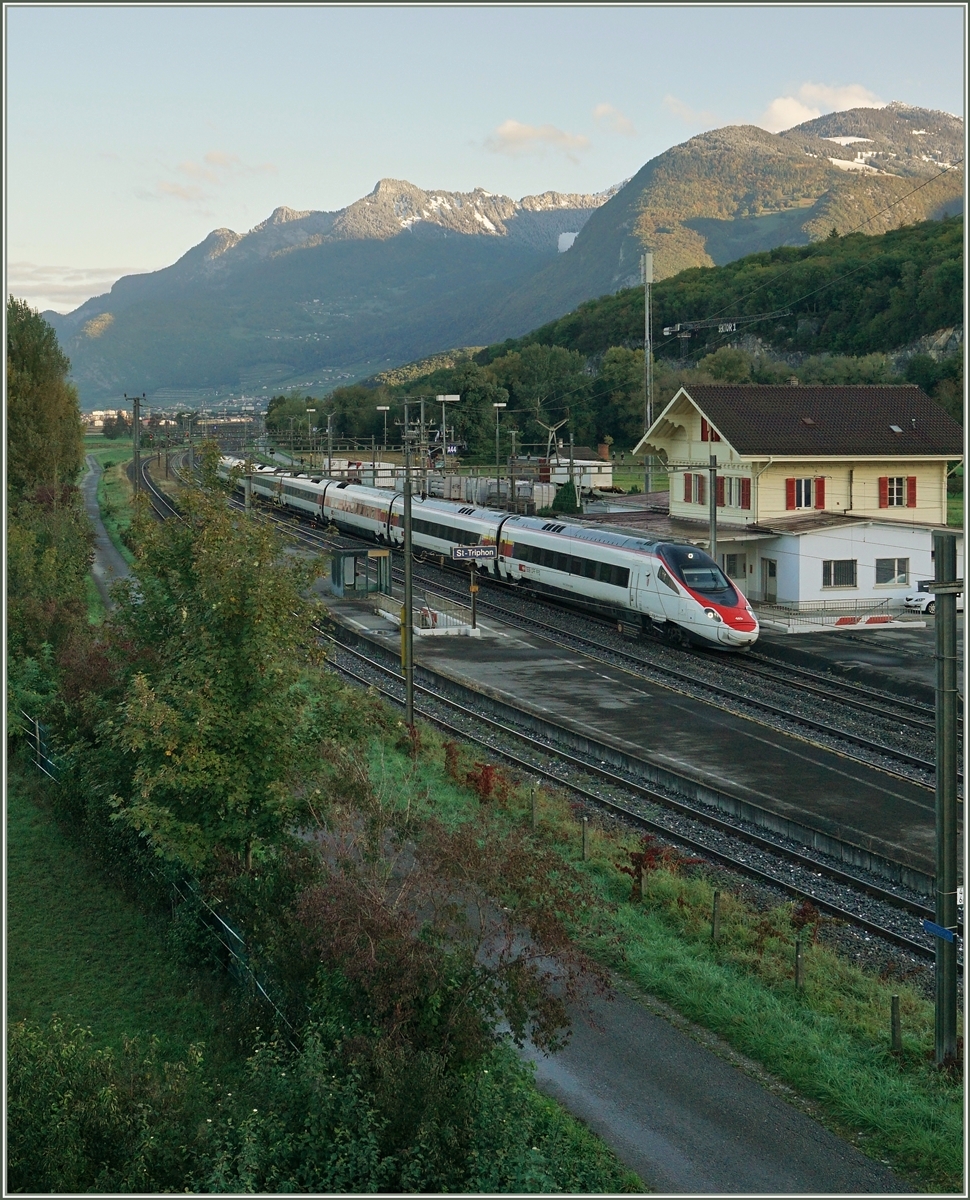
(700, 573)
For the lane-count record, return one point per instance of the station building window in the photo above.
(897, 491)
(734, 491)
(892, 570)
(805, 493)
(695, 489)
(840, 572)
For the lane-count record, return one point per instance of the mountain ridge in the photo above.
(309, 298)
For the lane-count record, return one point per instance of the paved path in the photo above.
(675, 1103)
(687, 1120)
(109, 565)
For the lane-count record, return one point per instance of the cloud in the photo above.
(514, 138)
(692, 116)
(62, 288)
(180, 191)
(813, 99)
(614, 119)
(217, 169)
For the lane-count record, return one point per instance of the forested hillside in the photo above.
(848, 295)
(854, 300)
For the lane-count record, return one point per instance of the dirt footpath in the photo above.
(109, 566)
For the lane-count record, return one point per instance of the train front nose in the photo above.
(738, 630)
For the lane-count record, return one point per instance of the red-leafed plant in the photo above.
(651, 856)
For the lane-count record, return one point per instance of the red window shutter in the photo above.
(789, 493)
(819, 493)
(883, 491)
(745, 493)
(688, 494)
(705, 430)
(715, 436)
(720, 491)
(910, 491)
(701, 489)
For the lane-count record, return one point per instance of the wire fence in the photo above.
(232, 942)
(37, 737)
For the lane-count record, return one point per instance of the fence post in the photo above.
(897, 1032)
(716, 916)
(585, 839)
(799, 980)
(535, 808)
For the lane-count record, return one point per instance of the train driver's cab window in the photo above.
(665, 579)
(700, 573)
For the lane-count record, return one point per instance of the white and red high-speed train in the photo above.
(671, 588)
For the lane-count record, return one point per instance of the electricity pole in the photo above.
(135, 440)
(945, 586)
(712, 508)
(498, 406)
(444, 401)
(646, 264)
(407, 616)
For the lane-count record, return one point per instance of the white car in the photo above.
(925, 602)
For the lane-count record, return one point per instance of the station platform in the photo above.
(719, 752)
(897, 660)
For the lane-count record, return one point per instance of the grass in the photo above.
(114, 496)
(96, 608)
(629, 474)
(77, 948)
(954, 511)
(829, 1041)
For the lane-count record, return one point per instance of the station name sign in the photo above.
(473, 553)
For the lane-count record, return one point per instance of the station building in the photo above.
(822, 493)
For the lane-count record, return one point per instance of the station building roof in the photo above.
(865, 421)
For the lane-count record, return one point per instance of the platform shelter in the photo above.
(360, 572)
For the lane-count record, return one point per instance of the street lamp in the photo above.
(385, 409)
(498, 488)
(444, 401)
(309, 434)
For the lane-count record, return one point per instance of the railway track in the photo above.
(565, 770)
(653, 667)
(527, 752)
(903, 719)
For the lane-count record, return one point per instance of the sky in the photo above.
(131, 132)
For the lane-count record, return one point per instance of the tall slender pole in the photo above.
(329, 445)
(513, 503)
(647, 266)
(136, 443)
(945, 556)
(423, 448)
(712, 506)
(408, 640)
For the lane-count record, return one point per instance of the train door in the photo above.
(640, 580)
(671, 597)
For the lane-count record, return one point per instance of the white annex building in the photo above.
(822, 493)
